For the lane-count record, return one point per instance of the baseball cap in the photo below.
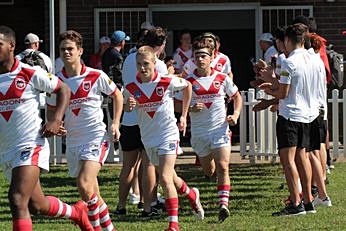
(32, 38)
(105, 39)
(268, 37)
(119, 36)
(147, 25)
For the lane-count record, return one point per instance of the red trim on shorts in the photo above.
(104, 148)
(35, 155)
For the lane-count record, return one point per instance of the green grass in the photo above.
(256, 193)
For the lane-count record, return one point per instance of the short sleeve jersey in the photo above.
(210, 90)
(84, 116)
(270, 52)
(298, 71)
(155, 107)
(20, 122)
(181, 56)
(129, 75)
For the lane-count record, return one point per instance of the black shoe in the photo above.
(314, 191)
(159, 207)
(120, 211)
(140, 206)
(151, 215)
(290, 209)
(309, 207)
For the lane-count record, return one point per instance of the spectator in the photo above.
(266, 45)
(95, 59)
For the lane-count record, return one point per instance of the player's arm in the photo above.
(187, 94)
(117, 110)
(54, 125)
(264, 104)
(237, 104)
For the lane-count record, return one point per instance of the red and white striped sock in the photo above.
(61, 209)
(105, 220)
(21, 224)
(93, 213)
(189, 194)
(223, 194)
(172, 210)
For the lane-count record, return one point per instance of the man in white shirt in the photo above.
(32, 44)
(266, 45)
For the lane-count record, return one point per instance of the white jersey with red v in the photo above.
(211, 91)
(181, 56)
(84, 116)
(19, 105)
(155, 107)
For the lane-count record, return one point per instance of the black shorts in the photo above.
(292, 134)
(323, 131)
(130, 138)
(315, 134)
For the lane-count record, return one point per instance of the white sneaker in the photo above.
(134, 199)
(325, 202)
(198, 211)
(328, 169)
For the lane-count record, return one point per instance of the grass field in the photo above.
(256, 193)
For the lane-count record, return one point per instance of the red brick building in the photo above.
(238, 23)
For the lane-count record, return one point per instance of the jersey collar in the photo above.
(138, 77)
(195, 72)
(63, 71)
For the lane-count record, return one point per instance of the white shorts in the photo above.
(27, 156)
(166, 148)
(96, 151)
(204, 145)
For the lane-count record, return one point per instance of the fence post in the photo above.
(344, 119)
(260, 128)
(335, 114)
(251, 98)
(242, 127)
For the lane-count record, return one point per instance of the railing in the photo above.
(258, 133)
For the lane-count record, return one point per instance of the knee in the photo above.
(17, 201)
(222, 167)
(166, 180)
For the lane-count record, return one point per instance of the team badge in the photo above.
(219, 67)
(87, 85)
(217, 84)
(109, 81)
(20, 84)
(195, 87)
(49, 75)
(159, 91)
(137, 94)
(172, 146)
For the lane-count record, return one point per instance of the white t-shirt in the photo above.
(270, 52)
(320, 85)
(45, 58)
(278, 64)
(299, 72)
(20, 121)
(181, 56)
(220, 63)
(155, 108)
(210, 90)
(129, 75)
(84, 116)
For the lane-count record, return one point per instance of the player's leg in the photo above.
(130, 158)
(221, 157)
(166, 174)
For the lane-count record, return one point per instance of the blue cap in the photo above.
(119, 36)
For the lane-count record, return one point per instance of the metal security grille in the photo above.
(128, 20)
(274, 16)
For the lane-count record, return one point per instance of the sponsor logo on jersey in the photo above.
(137, 94)
(160, 90)
(217, 84)
(20, 83)
(284, 73)
(172, 146)
(87, 85)
(195, 87)
(50, 76)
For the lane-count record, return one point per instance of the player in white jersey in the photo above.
(183, 53)
(318, 132)
(210, 134)
(131, 143)
(151, 93)
(87, 139)
(24, 150)
(297, 108)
